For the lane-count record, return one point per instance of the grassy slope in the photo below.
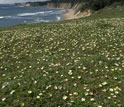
(76, 59)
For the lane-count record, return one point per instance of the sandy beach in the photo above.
(71, 14)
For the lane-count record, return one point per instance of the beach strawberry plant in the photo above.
(77, 63)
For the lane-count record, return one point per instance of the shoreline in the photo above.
(71, 14)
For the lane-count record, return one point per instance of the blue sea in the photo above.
(11, 15)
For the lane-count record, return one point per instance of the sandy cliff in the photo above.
(72, 10)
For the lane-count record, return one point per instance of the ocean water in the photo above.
(11, 15)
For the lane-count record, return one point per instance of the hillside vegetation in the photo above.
(77, 63)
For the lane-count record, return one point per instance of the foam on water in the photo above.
(32, 14)
(1, 17)
(58, 18)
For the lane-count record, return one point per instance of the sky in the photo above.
(15, 1)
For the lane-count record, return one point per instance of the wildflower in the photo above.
(70, 95)
(70, 72)
(22, 105)
(104, 83)
(29, 92)
(84, 68)
(99, 106)
(75, 93)
(91, 93)
(119, 105)
(111, 90)
(116, 92)
(79, 77)
(109, 97)
(41, 94)
(88, 90)
(3, 99)
(4, 75)
(60, 87)
(12, 91)
(55, 87)
(57, 72)
(83, 99)
(104, 90)
(35, 82)
(38, 97)
(3, 86)
(100, 85)
(75, 84)
(86, 93)
(115, 78)
(50, 95)
(64, 97)
(92, 99)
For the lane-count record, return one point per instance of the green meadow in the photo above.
(76, 63)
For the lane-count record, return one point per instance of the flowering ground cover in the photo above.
(77, 63)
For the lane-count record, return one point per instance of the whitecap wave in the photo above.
(58, 18)
(32, 14)
(1, 17)
(8, 17)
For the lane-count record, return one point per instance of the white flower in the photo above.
(115, 78)
(109, 97)
(55, 87)
(50, 95)
(4, 75)
(29, 92)
(3, 86)
(116, 92)
(75, 93)
(99, 106)
(104, 83)
(91, 93)
(100, 85)
(35, 82)
(60, 87)
(84, 68)
(12, 91)
(38, 97)
(64, 97)
(3, 99)
(111, 90)
(104, 90)
(92, 99)
(70, 72)
(79, 77)
(86, 93)
(41, 94)
(22, 105)
(75, 84)
(82, 99)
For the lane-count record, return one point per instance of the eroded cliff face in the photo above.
(73, 10)
(23, 4)
(64, 6)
